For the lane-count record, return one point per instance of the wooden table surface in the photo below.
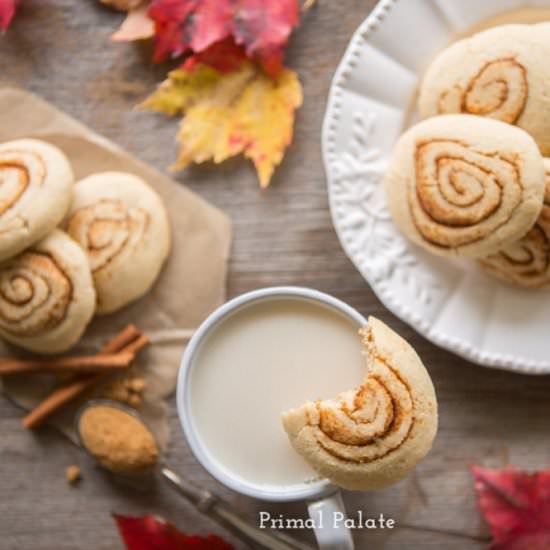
(60, 49)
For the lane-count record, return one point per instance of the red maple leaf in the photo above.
(7, 11)
(153, 533)
(516, 505)
(261, 27)
(224, 56)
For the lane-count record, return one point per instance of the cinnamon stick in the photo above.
(63, 395)
(81, 364)
(57, 399)
(122, 339)
(136, 345)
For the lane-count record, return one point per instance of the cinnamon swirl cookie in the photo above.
(501, 73)
(373, 436)
(35, 191)
(122, 225)
(465, 185)
(527, 261)
(47, 295)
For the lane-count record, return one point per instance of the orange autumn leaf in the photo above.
(229, 113)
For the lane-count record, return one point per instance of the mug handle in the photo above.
(323, 511)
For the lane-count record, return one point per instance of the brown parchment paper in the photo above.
(191, 285)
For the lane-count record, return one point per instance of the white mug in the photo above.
(321, 496)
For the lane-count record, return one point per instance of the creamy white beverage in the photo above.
(267, 357)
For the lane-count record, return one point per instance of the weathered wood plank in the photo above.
(60, 50)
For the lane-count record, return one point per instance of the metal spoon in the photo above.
(204, 500)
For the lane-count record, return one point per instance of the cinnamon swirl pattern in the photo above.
(373, 436)
(498, 91)
(501, 73)
(35, 191)
(465, 185)
(123, 227)
(527, 261)
(47, 296)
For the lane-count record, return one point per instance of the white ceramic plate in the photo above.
(452, 303)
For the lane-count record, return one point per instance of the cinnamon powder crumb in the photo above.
(73, 474)
(134, 401)
(126, 389)
(137, 385)
(119, 441)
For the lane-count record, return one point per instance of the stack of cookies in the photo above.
(471, 180)
(69, 250)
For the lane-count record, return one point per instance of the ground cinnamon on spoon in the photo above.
(119, 441)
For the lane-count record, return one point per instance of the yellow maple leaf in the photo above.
(225, 114)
